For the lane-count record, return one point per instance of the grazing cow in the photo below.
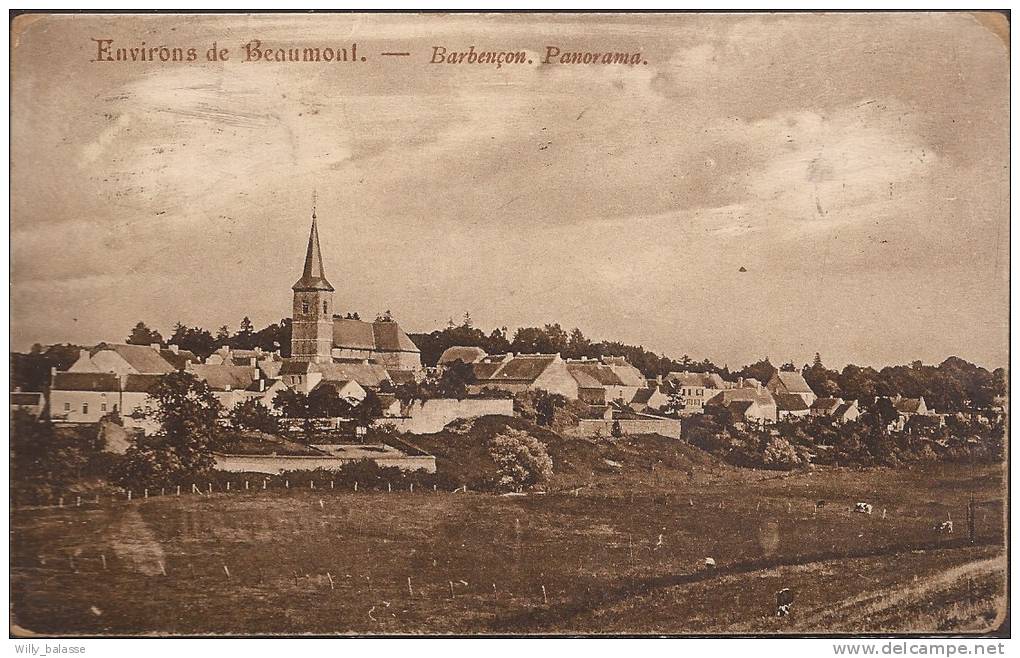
(862, 508)
(709, 564)
(944, 527)
(820, 503)
(784, 600)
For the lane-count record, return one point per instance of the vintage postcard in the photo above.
(505, 324)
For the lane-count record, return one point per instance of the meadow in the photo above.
(620, 554)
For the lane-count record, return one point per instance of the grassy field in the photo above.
(621, 555)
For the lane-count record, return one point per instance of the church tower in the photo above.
(312, 329)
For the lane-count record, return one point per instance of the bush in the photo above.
(780, 455)
(522, 461)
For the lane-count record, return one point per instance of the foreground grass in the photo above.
(618, 560)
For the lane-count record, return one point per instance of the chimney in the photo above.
(658, 379)
(262, 385)
(740, 382)
(83, 354)
(227, 388)
(253, 362)
(175, 348)
(155, 346)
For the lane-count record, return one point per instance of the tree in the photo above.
(546, 404)
(454, 381)
(253, 415)
(325, 402)
(188, 414)
(142, 335)
(522, 461)
(292, 404)
(368, 410)
(616, 431)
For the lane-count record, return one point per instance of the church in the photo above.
(327, 347)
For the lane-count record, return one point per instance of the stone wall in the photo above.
(432, 416)
(664, 426)
(276, 464)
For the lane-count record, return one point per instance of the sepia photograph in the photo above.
(509, 324)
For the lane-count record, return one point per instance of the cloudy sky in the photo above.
(856, 166)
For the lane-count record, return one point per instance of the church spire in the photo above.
(313, 277)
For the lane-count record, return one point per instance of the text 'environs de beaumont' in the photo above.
(106, 50)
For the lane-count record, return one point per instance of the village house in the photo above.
(650, 398)
(837, 409)
(606, 379)
(695, 389)
(750, 405)
(516, 373)
(791, 382)
(791, 405)
(29, 402)
(84, 397)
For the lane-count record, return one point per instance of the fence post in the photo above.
(162, 491)
(226, 570)
(355, 485)
(286, 484)
(545, 599)
(228, 485)
(330, 580)
(264, 481)
(331, 484)
(129, 494)
(412, 487)
(162, 568)
(77, 501)
(145, 493)
(311, 484)
(210, 487)
(246, 485)
(60, 501)
(97, 499)
(389, 487)
(451, 589)
(410, 592)
(178, 490)
(102, 556)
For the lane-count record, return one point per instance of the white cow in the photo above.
(944, 527)
(862, 508)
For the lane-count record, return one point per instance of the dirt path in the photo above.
(883, 601)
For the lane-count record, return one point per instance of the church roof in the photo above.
(384, 336)
(313, 277)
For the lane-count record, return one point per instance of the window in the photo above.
(102, 407)
(304, 307)
(85, 408)
(324, 308)
(67, 406)
(114, 408)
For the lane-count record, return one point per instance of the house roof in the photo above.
(180, 358)
(793, 382)
(790, 402)
(142, 358)
(523, 368)
(725, 397)
(26, 399)
(369, 375)
(593, 371)
(825, 405)
(226, 377)
(86, 381)
(461, 353)
(625, 372)
(485, 371)
(313, 277)
(702, 379)
(295, 367)
(843, 408)
(740, 407)
(643, 395)
(140, 383)
(401, 376)
(908, 405)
